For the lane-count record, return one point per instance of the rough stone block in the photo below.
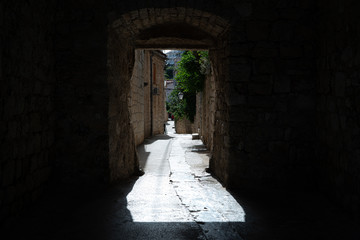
(261, 102)
(282, 31)
(305, 102)
(339, 84)
(302, 83)
(257, 30)
(35, 122)
(331, 104)
(8, 173)
(291, 51)
(237, 99)
(10, 194)
(240, 73)
(241, 49)
(264, 66)
(278, 147)
(260, 88)
(265, 50)
(18, 169)
(282, 85)
(244, 9)
(13, 129)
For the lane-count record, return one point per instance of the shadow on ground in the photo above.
(293, 215)
(74, 211)
(96, 212)
(100, 212)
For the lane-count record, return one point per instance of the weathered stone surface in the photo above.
(276, 65)
(282, 85)
(257, 30)
(183, 126)
(337, 62)
(240, 73)
(260, 88)
(27, 68)
(147, 71)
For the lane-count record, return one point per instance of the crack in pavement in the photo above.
(203, 196)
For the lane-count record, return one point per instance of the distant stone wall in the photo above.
(183, 126)
(136, 102)
(338, 109)
(158, 78)
(207, 112)
(147, 92)
(26, 102)
(139, 96)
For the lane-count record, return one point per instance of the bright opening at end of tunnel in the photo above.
(176, 186)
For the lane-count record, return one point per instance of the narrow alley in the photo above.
(176, 191)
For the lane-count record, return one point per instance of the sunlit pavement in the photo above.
(176, 188)
(176, 199)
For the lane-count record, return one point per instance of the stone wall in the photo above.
(183, 126)
(147, 92)
(271, 89)
(220, 163)
(122, 160)
(137, 97)
(274, 123)
(207, 112)
(26, 102)
(84, 121)
(148, 67)
(265, 75)
(338, 109)
(204, 117)
(151, 25)
(158, 78)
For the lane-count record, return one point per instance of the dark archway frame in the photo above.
(162, 28)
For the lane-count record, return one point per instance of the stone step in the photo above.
(195, 136)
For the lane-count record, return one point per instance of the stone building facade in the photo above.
(147, 95)
(204, 120)
(286, 79)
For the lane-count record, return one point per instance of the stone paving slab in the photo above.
(209, 204)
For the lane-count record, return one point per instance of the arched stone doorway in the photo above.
(162, 28)
(265, 84)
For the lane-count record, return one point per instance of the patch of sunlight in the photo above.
(154, 199)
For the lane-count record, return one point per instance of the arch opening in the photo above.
(131, 32)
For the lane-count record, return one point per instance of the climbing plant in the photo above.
(169, 71)
(190, 79)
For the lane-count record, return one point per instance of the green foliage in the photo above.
(169, 71)
(189, 76)
(204, 61)
(176, 106)
(190, 80)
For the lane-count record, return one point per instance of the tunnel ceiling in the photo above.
(174, 36)
(162, 28)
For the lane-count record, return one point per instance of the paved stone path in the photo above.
(176, 199)
(176, 188)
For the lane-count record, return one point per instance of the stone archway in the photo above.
(166, 28)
